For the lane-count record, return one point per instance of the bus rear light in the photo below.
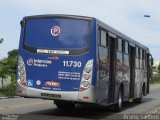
(88, 69)
(21, 66)
(86, 76)
(23, 83)
(85, 97)
(85, 84)
(19, 91)
(82, 88)
(21, 71)
(22, 79)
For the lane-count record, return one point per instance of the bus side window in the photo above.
(123, 46)
(119, 45)
(104, 38)
(126, 47)
(125, 53)
(99, 36)
(141, 61)
(137, 57)
(126, 60)
(103, 61)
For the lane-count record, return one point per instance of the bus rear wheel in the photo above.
(64, 104)
(118, 105)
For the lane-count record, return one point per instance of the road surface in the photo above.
(37, 109)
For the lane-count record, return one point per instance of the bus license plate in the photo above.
(50, 95)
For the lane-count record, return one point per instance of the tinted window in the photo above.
(137, 62)
(57, 33)
(103, 38)
(137, 54)
(123, 46)
(126, 47)
(119, 59)
(126, 60)
(119, 45)
(103, 61)
(99, 36)
(119, 65)
(141, 53)
(141, 64)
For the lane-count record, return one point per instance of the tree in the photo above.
(1, 40)
(8, 65)
(159, 67)
(2, 75)
(2, 72)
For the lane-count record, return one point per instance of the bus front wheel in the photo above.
(64, 104)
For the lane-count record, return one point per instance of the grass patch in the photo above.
(9, 90)
(155, 78)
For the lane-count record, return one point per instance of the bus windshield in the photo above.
(56, 33)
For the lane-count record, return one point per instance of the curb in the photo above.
(8, 97)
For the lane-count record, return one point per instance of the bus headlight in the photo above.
(87, 76)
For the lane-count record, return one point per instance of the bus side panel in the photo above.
(137, 83)
(89, 94)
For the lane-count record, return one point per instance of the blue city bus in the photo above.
(77, 59)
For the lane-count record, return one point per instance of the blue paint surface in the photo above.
(74, 34)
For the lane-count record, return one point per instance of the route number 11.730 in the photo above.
(72, 63)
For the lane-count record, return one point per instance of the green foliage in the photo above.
(158, 68)
(1, 40)
(10, 90)
(155, 78)
(8, 65)
(8, 68)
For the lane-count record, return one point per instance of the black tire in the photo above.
(119, 104)
(64, 104)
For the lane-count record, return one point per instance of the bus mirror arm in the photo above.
(22, 23)
(152, 60)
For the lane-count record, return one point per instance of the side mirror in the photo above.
(22, 23)
(152, 61)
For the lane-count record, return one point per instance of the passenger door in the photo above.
(103, 72)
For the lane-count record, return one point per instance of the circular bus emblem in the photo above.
(55, 31)
(30, 62)
(38, 82)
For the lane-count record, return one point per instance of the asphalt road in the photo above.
(37, 109)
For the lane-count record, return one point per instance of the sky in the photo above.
(127, 16)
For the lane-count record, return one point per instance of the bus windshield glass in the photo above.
(56, 33)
